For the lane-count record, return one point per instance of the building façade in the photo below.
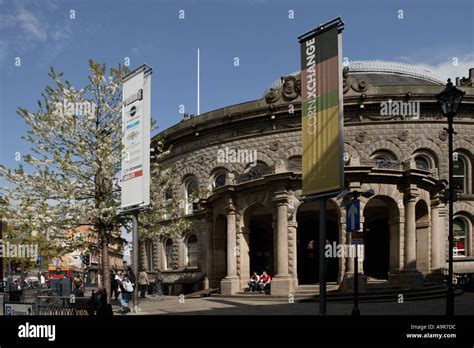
(253, 219)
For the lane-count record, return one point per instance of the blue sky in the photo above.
(259, 33)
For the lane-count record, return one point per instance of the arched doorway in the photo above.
(376, 261)
(220, 247)
(422, 237)
(261, 250)
(307, 243)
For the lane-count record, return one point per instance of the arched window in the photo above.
(169, 254)
(460, 174)
(219, 180)
(383, 156)
(422, 162)
(256, 171)
(191, 204)
(193, 252)
(294, 164)
(460, 237)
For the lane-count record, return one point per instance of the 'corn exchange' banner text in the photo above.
(322, 122)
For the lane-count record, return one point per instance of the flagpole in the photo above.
(198, 80)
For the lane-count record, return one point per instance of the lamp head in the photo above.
(450, 99)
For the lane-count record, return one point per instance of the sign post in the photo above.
(39, 263)
(322, 125)
(353, 226)
(135, 179)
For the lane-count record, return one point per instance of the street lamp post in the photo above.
(355, 196)
(449, 100)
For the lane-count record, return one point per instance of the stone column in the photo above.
(206, 248)
(282, 284)
(282, 240)
(443, 237)
(410, 234)
(409, 277)
(243, 257)
(342, 241)
(292, 257)
(436, 235)
(231, 245)
(230, 284)
(160, 254)
(156, 255)
(143, 255)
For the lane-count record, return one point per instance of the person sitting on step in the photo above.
(253, 282)
(265, 281)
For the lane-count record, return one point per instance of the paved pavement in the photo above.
(238, 306)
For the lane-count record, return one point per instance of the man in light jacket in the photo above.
(143, 281)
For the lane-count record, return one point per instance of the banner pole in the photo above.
(135, 258)
(322, 258)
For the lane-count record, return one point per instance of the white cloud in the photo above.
(455, 67)
(27, 29)
(32, 27)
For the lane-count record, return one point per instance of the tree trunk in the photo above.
(105, 264)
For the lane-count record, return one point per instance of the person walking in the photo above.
(130, 275)
(124, 295)
(114, 288)
(143, 281)
(159, 284)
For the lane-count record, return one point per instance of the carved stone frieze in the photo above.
(350, 82)
(403, 135)
(289, 90)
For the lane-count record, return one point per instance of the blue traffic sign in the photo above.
(353, 216)
(39, 261)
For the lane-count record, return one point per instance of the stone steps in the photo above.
(310, 293)
(384, 295)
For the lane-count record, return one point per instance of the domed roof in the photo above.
(385, 73)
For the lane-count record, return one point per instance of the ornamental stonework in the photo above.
(360, 137)
(274, 145)
(290, 89)
(443, 135)
(403, 135)
(350, 82)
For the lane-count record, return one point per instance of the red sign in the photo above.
(133, 175)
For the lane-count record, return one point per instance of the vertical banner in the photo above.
(322, 109)
(136, 139)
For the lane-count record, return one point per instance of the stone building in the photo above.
(253, 219)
